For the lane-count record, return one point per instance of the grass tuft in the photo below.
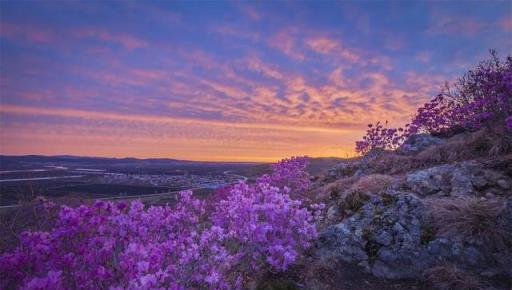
(479, 221)
(449, 277)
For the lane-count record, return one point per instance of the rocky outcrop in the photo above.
(390, 236)
(345, 169)
(458, 179)
(394, 230)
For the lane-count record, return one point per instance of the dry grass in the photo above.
(393, 163)
(487, 142)
(373, 183)
(473, 220)
(333, 190)
(350, 193)
(449, 277)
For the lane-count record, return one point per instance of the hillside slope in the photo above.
(437, 211)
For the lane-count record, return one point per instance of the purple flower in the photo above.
(130, 246)
(480, 96)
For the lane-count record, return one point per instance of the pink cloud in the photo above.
(250, 11)
(228, 90)
(128, 41)
(394, 42)
(29, 33)
(285, 42)
(446, 24)
(423, 56)
(322, 44)
(150, 74)
(331, 47)
(39, 34)
(229, 30)
(506, 23)
(268, 70)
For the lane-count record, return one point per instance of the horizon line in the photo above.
(166, 158)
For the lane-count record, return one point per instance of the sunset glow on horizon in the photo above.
(228, 81)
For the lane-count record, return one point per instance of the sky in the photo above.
(228, 81)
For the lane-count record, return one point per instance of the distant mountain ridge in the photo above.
(93, 159)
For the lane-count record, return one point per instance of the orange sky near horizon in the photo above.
(125, 136)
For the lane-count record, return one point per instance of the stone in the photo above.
(423, 181)
(479, 182)
(365, 265)
(384, 231)
(417, 143)
(468, 178)
(391, 235)
(472, 256)
(503, 184)
(386, 238)
(332, 213)
(345, 168)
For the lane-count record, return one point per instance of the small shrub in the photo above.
(380, 136)
(388, 199)
(372, 248)
(428, 234)
(472, 220)
(449, 277)
(335, 192)
(353, 200)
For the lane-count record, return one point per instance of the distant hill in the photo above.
(319, 164)
(10, 162)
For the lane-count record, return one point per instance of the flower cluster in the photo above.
(290, 173)
(266, 224)
(379, 136)
(482, 96)
(127, 246)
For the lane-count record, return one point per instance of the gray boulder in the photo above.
(391, 237)
(384, 235)
(345, 168)
(417, 143)
(458, 179)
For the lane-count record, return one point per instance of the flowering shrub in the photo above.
(125, 246)
(379, 136)
(290, 173)
(481, 96)
(267, 225)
